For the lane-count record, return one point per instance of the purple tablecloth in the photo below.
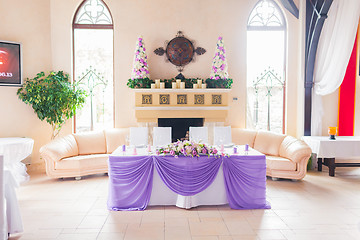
(130, 179)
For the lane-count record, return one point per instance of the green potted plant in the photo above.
(52, 97)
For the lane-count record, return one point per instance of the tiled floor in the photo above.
(319, 207)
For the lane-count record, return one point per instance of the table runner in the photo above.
(130, 179)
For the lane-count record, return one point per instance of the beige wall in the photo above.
(46, 34)
(27, 22)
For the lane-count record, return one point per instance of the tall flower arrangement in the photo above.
(219, 69)
(140, 70)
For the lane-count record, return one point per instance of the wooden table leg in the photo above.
(332, 167)
(319, 162)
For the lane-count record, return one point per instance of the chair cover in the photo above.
(162, 136)
(3, 232)
(139, 136)
(198, 134)
(222, 135)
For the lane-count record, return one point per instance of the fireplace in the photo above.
(180, 126)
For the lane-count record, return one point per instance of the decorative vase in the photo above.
(332, 132)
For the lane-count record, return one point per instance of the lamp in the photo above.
(332, 132)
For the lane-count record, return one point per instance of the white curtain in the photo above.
(334, 49)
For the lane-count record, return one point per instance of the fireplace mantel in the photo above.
(210, 104)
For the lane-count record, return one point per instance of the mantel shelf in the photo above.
(183, 108)
(179, 90)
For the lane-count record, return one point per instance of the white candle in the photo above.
(157, 83)
(153, 86)
(199, 82)
(182, 85)
(162, 85)
(203, 86)
(195, 85)
(173, 85)
(178, 83)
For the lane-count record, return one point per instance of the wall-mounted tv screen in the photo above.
(10, 64)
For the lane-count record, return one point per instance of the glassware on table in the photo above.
(332, 132)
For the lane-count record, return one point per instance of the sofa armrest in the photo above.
(59, 148)
(294, 149)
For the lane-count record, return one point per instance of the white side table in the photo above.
(328, 150)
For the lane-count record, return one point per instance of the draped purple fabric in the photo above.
(189, 175)
(245, 181)
(131, 177)
(130, 182)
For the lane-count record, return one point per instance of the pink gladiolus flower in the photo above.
(204, 151)
(172, 152)
(194, 152)
(157, 152)
(215, 151)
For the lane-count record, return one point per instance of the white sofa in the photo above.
(81, 154)
(286, 156)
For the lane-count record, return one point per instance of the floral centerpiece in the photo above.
(219, 75)
(188, 149)
(140, 72)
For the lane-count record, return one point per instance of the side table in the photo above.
(328, 150)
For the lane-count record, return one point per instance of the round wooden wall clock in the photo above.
(179, 51)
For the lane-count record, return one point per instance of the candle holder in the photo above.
(332, 133)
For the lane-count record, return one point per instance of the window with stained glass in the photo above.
(266, 67)
(93, 65)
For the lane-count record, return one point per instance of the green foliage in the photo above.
(220, 83)
(211, 83)
(52, 97)
(309, 164)
(139, 83)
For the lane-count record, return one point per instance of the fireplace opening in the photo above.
(180, 126)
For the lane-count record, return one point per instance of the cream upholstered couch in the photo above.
(286, 156)
(77, 155)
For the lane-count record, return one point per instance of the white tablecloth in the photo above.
(9, 208)
(14, 151)
(13, 216)
(342, 147)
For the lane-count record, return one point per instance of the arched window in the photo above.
(93, 64)
(266, 31)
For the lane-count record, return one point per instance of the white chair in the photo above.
(161, 136)
(139, 136)
(222, 136)
(199, 134)
(3, 231)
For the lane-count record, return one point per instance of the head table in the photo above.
(235, 179)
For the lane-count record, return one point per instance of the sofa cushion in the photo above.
(243, 136)
(115, 137)
(60, 148)
(280, 163)
(268, 142)
(94, 161)
(294, 149)
(90, 142)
